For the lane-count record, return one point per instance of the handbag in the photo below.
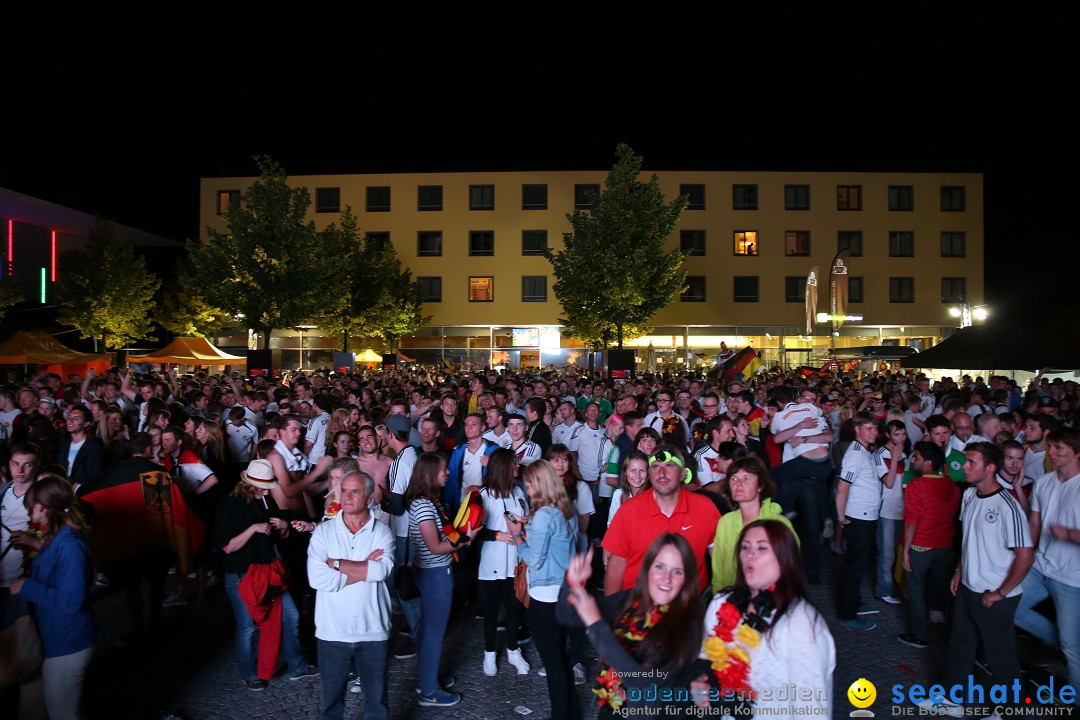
(21, 653)
(521, 583)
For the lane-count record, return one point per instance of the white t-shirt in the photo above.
(15, 517)
(7, 422)
(589, 461)
(526, 453)
(73, 452)
(707, 471)
(567, 435)
(504, 441)
(472, 468)
(397, 479)
(993, 526)
(316, 434)
(791, 416)
(914, 432)
(892, 499)
(584, 504)
(857, 469)
(1058, 504)
(241, 441)
(1034, 465)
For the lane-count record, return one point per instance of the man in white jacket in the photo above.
(350, 558)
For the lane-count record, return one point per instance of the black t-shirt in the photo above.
(234, 516)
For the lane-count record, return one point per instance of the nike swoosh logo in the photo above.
(687, 527)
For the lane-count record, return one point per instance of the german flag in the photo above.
(144, 515)
(741, 366)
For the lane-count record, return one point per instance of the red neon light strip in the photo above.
(10, 245)
(54, 256)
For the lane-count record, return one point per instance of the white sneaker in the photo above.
(515, 659)
(579, 674)
(945, 707)
(491, 668)
(542, 672)
(354, 686)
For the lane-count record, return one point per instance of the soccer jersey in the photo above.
(892, 499)
(994, 525)
(858, 471)
(708, 471)
(791, 416)
(567, 435)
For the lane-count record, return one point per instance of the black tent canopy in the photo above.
(985, 347)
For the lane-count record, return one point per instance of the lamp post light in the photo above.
(969, 313)
(301, 329)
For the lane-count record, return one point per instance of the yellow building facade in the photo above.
(475, 242)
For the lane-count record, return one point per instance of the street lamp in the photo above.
(968, 313)
(301, 329)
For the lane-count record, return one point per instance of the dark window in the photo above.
(850, 240)
(481, 242)
(746, 242)
(429, 197)
(849, 197)
(533, 242)
(378, 199)
(901, 289)
(901, 197)
(796, 197)
(744, 197)
(692, 241)
(695, 289)
(953, 198)
(953, 244)
(795, 289)
(696, 195)
(227, 200)
(585, 196)
(534, 197)
(901, 243)
(481, 289)
(534, 288)
(854, 289)
(481, 197)
(430, 288)
(797, 243)
(381, 239)
(746, 288)
(429, 243)
(953, 289)
(327, 200)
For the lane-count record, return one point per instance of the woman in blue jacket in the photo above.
(59, 587)
(545, 543)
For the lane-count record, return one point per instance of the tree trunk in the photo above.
(345, 342)
(266, 339)
(618, 327)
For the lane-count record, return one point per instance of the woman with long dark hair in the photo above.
(648, 636)
(59, 587)
(763, 633)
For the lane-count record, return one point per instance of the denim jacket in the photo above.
(550, 540)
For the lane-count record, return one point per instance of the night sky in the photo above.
(120, 112)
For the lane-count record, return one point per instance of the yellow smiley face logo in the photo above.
(862, 693)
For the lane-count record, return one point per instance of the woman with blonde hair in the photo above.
(545, 540)
(114, 433)
(339, 421)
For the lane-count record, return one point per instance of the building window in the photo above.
(429, 197)
(227, 200)
(901, 197)
(901, 243)
(849, 197)
(901, 289)
(534, 288)
(327, 200)
(585, 196)
(854, 289)
(534, 197)
(795, 289)
(953, 198)
(746, 288)
(378, 199)
(481, 197)
(429, 243)
(430, 289)
(481, 289)
(953, 289)
(797, 243)
(744, 197)
(953, 244)
(533, 242)
(692, 241)
(695, 194)
(796, 197)
(380, 239)
(850, 240)
(481, 242)
(695, 289)
(746, 242)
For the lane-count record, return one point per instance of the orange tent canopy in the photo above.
(190, 350)
(37, 347)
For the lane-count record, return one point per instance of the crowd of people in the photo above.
(672, 521)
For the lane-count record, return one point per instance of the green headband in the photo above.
(665, 456)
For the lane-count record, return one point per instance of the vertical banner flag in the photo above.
(811, 298)
(838, 287)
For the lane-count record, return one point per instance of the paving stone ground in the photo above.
(190, 670)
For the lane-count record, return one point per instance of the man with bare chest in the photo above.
(370, 460)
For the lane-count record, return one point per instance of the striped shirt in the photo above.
(857, 470)
(423, 510)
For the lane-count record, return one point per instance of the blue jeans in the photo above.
(410, 608)
(368, 661)
(436, 595)
(246, 653)
(1066, 634)
(888, 536)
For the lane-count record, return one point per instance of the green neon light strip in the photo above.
(42, 286)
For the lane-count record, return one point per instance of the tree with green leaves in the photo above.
(182, 310)
(10, 291)
(371, 293)
(613, 273)
(266, 267)
(106, 292)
